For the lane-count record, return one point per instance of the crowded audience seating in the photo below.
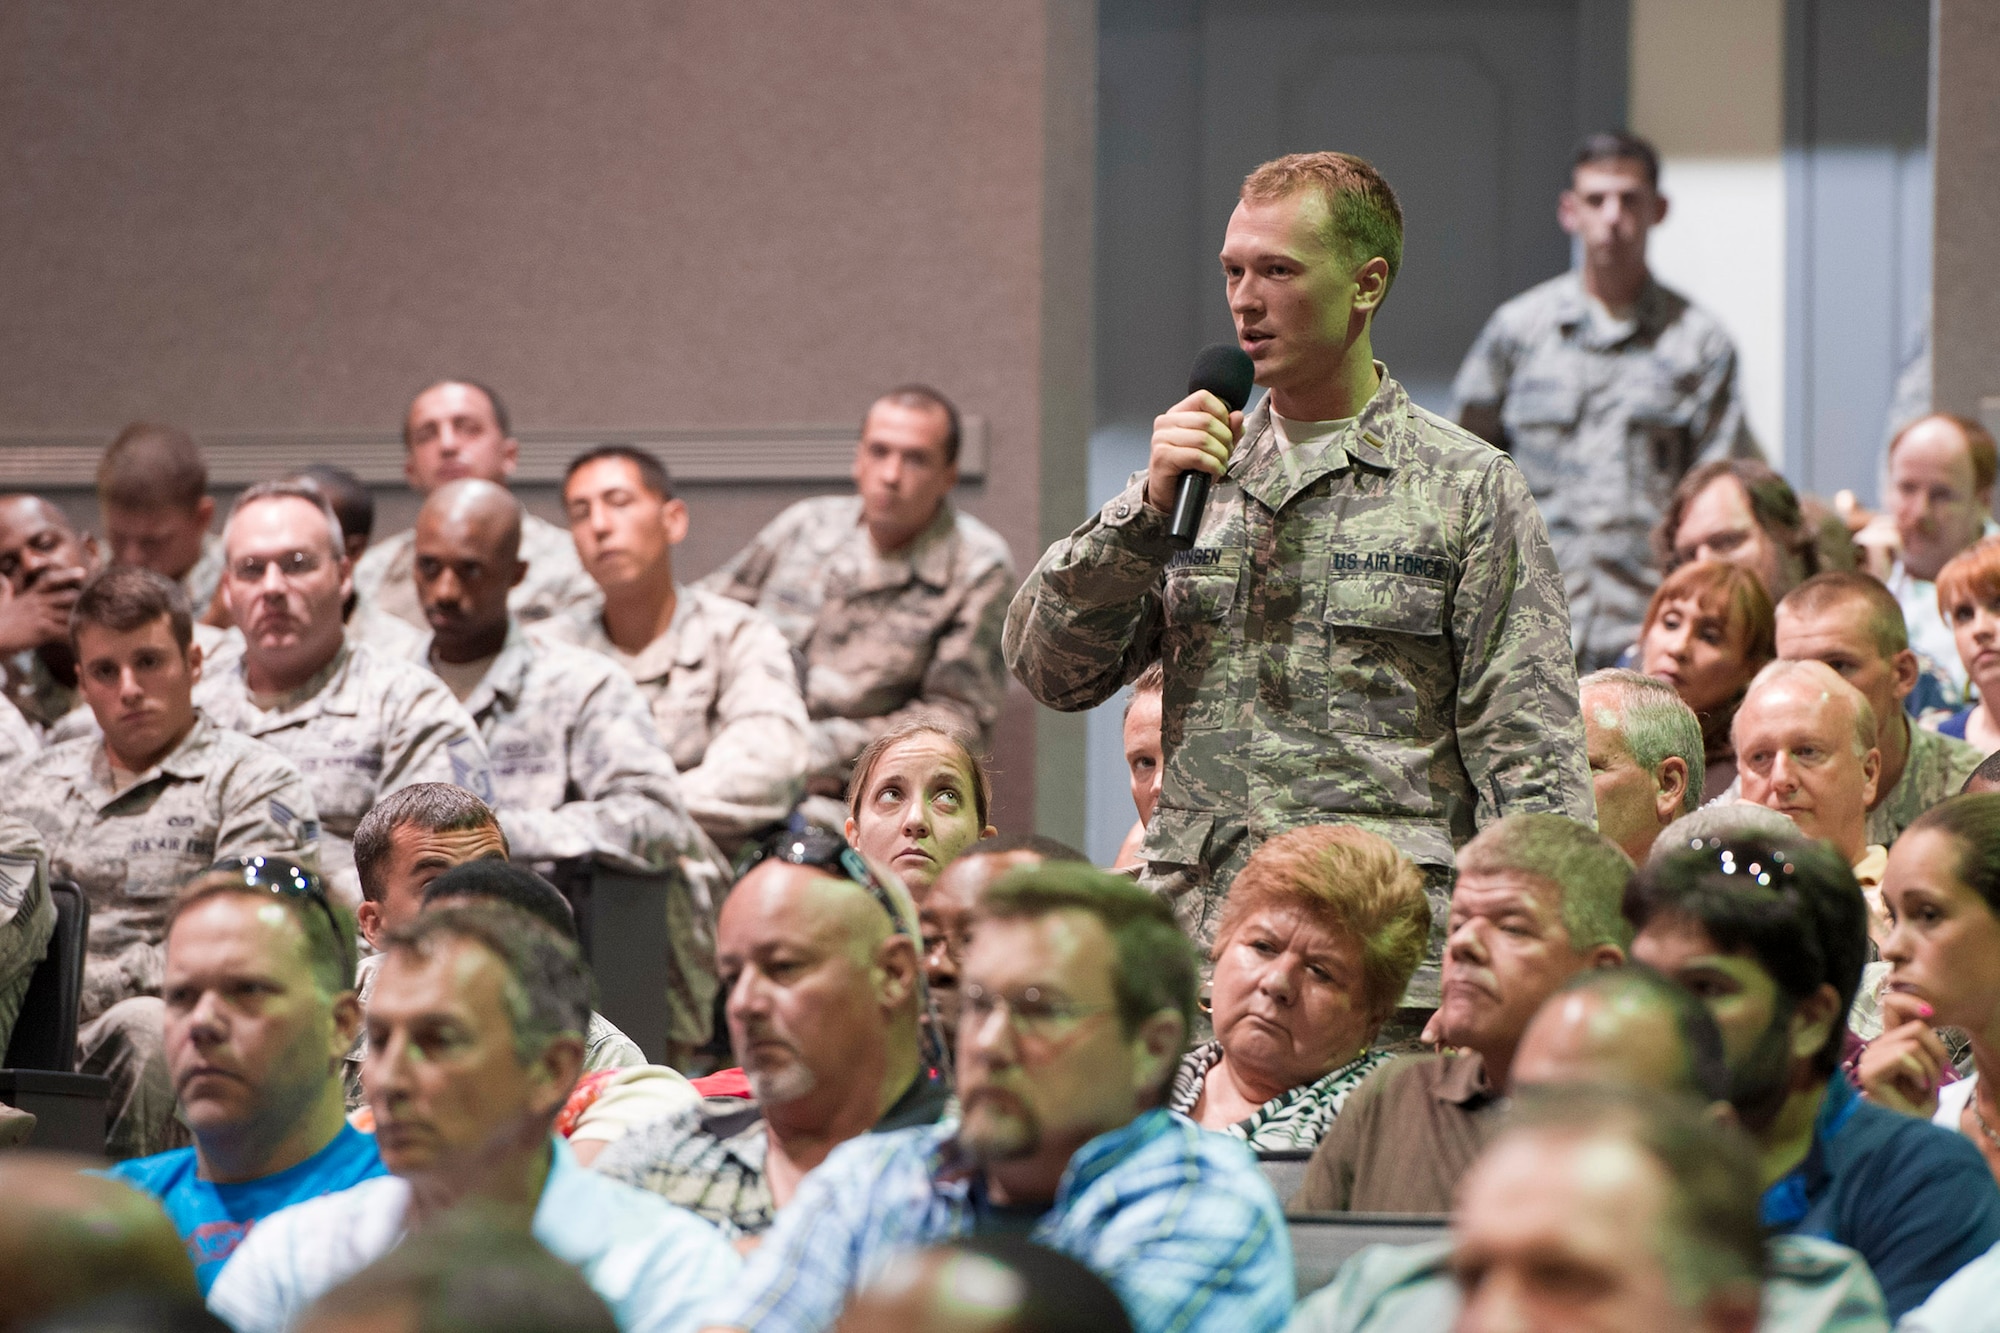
(736, 998)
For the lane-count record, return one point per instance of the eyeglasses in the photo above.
(825, 851)
(291, 565)
(287, 878)
(1030, 1012)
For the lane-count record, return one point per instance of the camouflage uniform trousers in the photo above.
(885, 638)
(127, 1044)
(27, 917)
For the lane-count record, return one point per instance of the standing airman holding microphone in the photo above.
(1368, 626)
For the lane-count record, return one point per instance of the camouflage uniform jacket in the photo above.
(555, 581)
(205, 575)
(1370, 631)
(1604, 420)
(725, 693)
(27, 915)
(886, 638)
(130, 848)
(578, 766)
(18, 740)
(37, 694)
(364, 726)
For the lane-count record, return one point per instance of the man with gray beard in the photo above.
(820, 965)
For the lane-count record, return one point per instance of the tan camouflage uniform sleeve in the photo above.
(264, 807)
(629, 813)
(1480, 388)
(27, 915)
(754, 769)
(1088, 618)
(966, 680)
(1519, 726)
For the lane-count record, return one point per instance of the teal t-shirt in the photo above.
(213, 1219)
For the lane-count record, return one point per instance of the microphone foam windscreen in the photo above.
(1224, 370)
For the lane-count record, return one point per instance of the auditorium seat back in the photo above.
(45, 1034)
(1322, 1242)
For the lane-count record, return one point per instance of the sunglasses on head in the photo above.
(825, 851)
(287, 878)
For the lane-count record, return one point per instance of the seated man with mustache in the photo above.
(1078, 993)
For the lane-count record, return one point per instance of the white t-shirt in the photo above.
(656, 1265)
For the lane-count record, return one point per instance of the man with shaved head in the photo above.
(44, 561)
(358, 723)
(457, 429)
(579, 769)
(825, 996)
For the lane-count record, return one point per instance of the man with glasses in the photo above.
(825, 1006)
(358, 724)
(133, 813)
(260, 1004)
(1079, 990)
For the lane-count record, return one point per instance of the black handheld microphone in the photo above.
(1224, 370)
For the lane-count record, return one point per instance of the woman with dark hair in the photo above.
(1709, 629)
(1941, 891)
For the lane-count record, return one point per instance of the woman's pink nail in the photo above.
(1925, 1010)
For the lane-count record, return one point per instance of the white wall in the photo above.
(1708, 89)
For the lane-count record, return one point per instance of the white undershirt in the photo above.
(462, 677)
(1301, 434)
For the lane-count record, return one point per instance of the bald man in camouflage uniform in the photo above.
(359, 725)
(893, 597)
(579, 770)
(1369, 628)
(721, 680)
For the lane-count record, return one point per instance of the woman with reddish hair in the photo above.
(1709, 629)
(1968, 591)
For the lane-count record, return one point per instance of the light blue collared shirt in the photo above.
(655, 1265)
(1180, 1222)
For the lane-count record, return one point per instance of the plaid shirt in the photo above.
(1180, 1222)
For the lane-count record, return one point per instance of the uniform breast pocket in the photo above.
(1540, 418)
(1199, 601)
(1384, 635)
(1661, 452)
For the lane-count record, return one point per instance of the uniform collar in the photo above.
(182, 762)
(505, 679)
(675, 647)
(1653, 311)
(1273, 473)
(324, 693)
(927, 559)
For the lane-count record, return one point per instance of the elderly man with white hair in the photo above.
(1645, 748)
(1805, 747)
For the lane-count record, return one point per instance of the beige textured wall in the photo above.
(1965, 129)
(241, 216)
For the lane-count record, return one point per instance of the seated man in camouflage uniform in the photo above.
(579, 770)
(152, 488)
(456, 429)
(27, 916)
(358, 724)
(894, 598)
(44, 560)
(135, 813)
(825, 997)
(719, 676)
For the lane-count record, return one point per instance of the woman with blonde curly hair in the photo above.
(1321, 932)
